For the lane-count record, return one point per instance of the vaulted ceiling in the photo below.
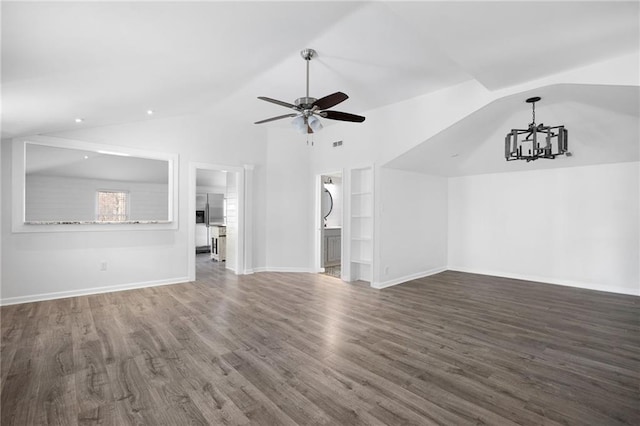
(110, 62)
(45, 160)
(603, 124)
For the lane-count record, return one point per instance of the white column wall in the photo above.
(413, 212)
(289, 204)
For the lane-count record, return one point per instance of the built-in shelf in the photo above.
(361, 217)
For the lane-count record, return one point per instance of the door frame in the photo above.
(191, 214)
(318, 226)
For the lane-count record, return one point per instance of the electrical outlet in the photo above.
(103, 265)
(386, 270)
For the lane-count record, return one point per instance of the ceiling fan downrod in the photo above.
(307, 54)
(307, 101)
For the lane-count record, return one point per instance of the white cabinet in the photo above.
(332, 246)
(201, 235)
(361, 224)
(218, 242)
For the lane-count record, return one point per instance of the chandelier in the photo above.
(540, 141)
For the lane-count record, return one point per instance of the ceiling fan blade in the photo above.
(330, 100)
(342, 116)
(277, 102)
(293, 114)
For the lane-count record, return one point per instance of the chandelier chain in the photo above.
(533, 112)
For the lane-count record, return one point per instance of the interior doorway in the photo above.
(216, 218)
(211, 220)
(329, 217)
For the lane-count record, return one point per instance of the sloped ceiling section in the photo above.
(43, 160)
(603, 124)
(504, 43)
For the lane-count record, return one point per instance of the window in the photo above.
(112, 206)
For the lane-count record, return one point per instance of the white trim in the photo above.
(291, 269)
(18, 187)
(193, 167)
(547, 280)
(318, 225)
(90, 291)
(247, 228)
(282, 269)
(407, 278)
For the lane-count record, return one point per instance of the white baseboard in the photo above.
(547, 280)
(88, 291)
(281, 269)
(97, 290)
(406, 278)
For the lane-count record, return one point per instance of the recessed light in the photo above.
(86, 157)
(79, 120)
(150, 112)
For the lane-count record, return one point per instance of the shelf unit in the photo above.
(361, 221)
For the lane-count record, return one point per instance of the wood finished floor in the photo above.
(284, 349)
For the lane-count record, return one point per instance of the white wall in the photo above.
(290, 198)
(283, 202)
(573, 226)
(2, 214)
(413, 225)
(68, 263)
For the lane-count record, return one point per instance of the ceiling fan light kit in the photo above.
(315, 123)
(307, 111)
(540, 141)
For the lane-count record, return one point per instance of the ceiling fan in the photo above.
(306, 110)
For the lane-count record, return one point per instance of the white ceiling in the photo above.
(109, 62)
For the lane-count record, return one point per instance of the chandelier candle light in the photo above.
(540, 141)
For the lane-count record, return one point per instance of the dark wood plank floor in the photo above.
(284, 349)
